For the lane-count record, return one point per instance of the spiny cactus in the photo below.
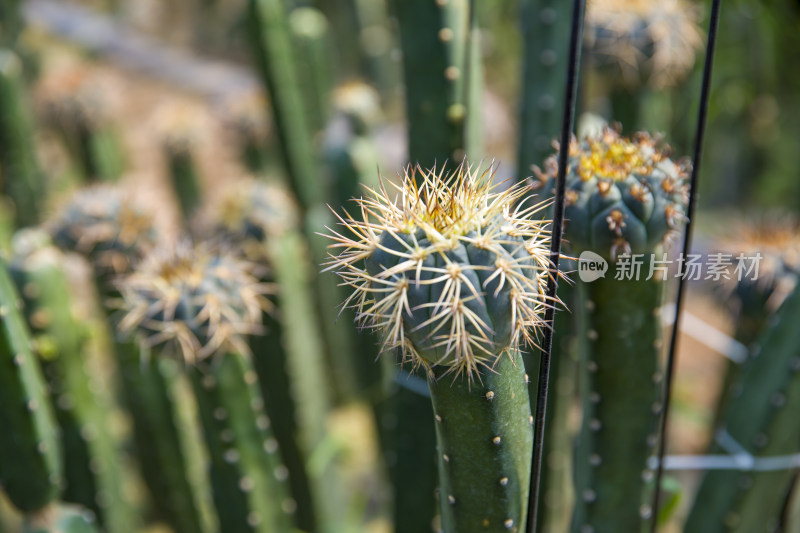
(243, 115)
(452, 275)
(93, 473)
(639, 49)
(200, 306)
(762, 418)
(30, 465)
(622, 197)
(260, 220)
(311, 37)
(102, 224)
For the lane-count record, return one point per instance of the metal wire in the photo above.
(687, 242)
(573, 68)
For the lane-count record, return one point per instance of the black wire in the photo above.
(687, 242)
(576, 33)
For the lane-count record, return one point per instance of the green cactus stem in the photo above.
(21, 178)
(454, 279)
(311, 36)
(439, 63)
(484, 440)
(623, 197)
(618, 431)
(761, 418)
(243, 116)
(30, 464)
(60, 518)
(93, 473)
(114, 233)
(200, 306)
(545, 23)
(277, 64)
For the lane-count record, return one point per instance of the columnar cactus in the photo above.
(623, 197)
(200, 306)
(114, 234)
(30, 465)
(761, 418)
(22, 179)
(93, 472)
(452, 274)
(260, 220)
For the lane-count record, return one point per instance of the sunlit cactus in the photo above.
(194, 302)
(623, 195)
(102, 224)
(200, 305)
(644, 42)
(450, 268)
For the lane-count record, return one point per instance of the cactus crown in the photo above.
(194, 301)
(623, 195)
(452, 271)
(102, 224)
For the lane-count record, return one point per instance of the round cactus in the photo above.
(652, 42)
(195, 301)
(452, 273)
(251, 212)
(102, 224)
(622, 195)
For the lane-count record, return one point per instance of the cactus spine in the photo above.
(30, 464)
(761, 417)
(61, 519)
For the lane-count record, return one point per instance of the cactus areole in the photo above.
(452, 272)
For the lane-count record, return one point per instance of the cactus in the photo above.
(201, 306)
(761, 418)
(30, 464)
(276, 62)
(61, 518)
(639, 49)
(82, 404)
(439, 61)
(75, 108)
(544, 25)
(20, 176)
(260, 219)
(453, 277)
(623, 197)
(311, 36)
(179, 140)
(243, 115)
(114, 234)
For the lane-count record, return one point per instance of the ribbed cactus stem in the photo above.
(161, 438)
(621, 404)
(248, 477)
(484, 437)
(30, 465)
(311, 36)
(22, 179)
(277, 63)
(184, 177)
(545, 25)
(761, 418)
(435, 38)
(93, 473)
